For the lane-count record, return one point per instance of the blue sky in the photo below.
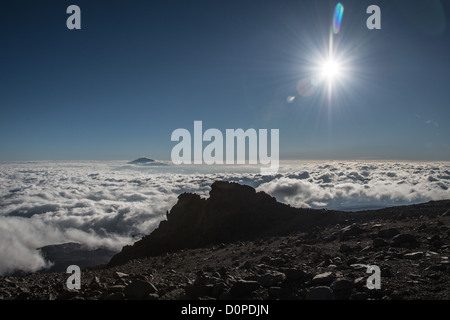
(137, 70)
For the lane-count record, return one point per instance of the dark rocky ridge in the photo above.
(232, 212)
(235, 212)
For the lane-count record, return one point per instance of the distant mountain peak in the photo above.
(142, 160)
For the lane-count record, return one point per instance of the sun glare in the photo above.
(330, 69)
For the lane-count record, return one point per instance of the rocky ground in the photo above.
(411, 247)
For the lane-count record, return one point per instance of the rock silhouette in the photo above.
(232, 212)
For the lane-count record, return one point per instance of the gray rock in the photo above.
(242, 288)
(201, 278)
(360, 282)
(342, 285)
(152, 296)
(27, 295)
(271, 278)
(379, 243)
(139, 289)
(218, 289)
(342, 289)
(66, 294)
(323, 278)
(438, 267)
(345, 248)
(246, 265)
(199, 290)
(275, 292)
(359, 296)
(404, 240)
(434, 276)
(114, 296)
(386, 272)
(10, 283)
(388, 233)
(95, 283)
(51, 296)
(293, 274)
(320, 293)
(359, 266)
(116, 288)
(350, 231)
(413, 255)
(436, 241)
(120, 275)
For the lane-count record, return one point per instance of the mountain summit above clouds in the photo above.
(144, 161)
(141, 160)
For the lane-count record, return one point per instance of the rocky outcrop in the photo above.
(232, 212)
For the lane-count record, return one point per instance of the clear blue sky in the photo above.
(137, 70)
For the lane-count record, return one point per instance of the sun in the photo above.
(331, 69)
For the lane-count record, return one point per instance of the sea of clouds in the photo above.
(111, 204)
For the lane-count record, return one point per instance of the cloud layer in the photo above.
(353, 185)
(109, 205)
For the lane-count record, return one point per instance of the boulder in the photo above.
(293, 274)
(242, 288)
(379, 243)
(120, 275)
(350, 231)
(320, 293)
(413, 255)
(404, 240)
(342, 289)
(323, 278)
(388, 233)
(116, 288)
(271, 278)
(139, 289)
(199, 290)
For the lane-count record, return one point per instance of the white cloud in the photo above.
(353, 185)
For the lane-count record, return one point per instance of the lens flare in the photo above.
(337, 18)
(305, 87)
(290, 99)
